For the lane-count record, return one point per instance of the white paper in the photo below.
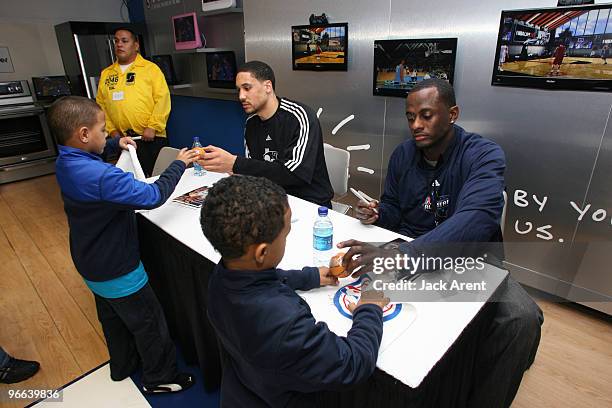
(128, 162)
(326, 304)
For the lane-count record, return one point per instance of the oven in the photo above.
(26, 146)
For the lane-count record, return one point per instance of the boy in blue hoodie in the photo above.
(99, 200)
(274, 353)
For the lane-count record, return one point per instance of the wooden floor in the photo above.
(47, 313)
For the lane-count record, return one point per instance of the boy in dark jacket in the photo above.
(275, 354)
(99, 200)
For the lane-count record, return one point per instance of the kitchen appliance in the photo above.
(26, 146)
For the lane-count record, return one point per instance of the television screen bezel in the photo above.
(332, 66)
(402, 93)
(549, 83)
(187, 45)
(168, 57)
(222, 84)
(50, 97)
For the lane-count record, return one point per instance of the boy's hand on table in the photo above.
(370, 297)
(125, 141)
(326, 278)
(187, 156)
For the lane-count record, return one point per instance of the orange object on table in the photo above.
(335, 266)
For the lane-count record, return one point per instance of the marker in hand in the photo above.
(363, 197)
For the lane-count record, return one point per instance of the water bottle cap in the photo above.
(196, 139)
(322, 211)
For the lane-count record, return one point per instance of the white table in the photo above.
(437, 324)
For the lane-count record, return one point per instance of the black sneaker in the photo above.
(181, 382)
(18, 370)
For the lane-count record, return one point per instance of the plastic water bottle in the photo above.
(322, 238)
(198, 170)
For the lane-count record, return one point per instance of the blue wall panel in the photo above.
(214, 121)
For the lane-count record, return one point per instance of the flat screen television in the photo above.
(221, 69)
(186, 32)
(400, 64)
(164, 62)
(555, 48)
(322, 47)
(50, 88)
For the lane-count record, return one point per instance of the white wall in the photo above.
(27, 29)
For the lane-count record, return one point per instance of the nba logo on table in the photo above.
(351, 293)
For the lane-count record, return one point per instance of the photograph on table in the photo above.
(193, 198)
(400, 64)
(321, 47)
(560, 48)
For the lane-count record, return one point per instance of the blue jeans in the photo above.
(4, 357)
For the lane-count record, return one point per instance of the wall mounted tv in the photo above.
(555, 48)
(221, 69)
(164, 62)
(320, 47)
(400, 64)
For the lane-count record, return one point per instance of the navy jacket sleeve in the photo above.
(389, 208)
(122, 188)
(305, 279)
(318, 359)
(480, 202)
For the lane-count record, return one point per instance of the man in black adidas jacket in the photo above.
(283, 140)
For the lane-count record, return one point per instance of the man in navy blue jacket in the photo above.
(274, 353)
(445, 186)
(99, 200)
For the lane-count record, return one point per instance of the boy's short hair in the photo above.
(260, 70)
(240, 211)
(70, 113)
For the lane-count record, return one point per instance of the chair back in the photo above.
(337, 161)
(166, 156)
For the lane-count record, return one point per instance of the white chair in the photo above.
(166, 156)
(337, 161)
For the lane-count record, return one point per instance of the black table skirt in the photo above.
(179, 277)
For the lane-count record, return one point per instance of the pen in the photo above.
(366, 196)
(360, 195)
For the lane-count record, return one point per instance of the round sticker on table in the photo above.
(351, 293)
